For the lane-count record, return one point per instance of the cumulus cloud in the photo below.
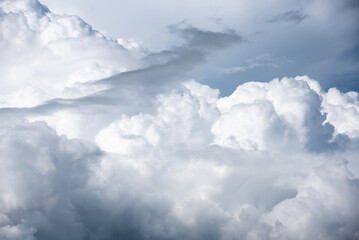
(174, 174)
(260, 160)
(149, 154)
(342, 110)
(46, 53)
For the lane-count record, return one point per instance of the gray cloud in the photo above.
(205, 40)
(265, 60)
(295, 16)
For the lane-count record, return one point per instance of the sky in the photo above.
(280, 38)
(179, 120)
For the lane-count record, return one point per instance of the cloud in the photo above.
(197, 38)
(135, 89)
(147, 153)
(44, 53)
(295, 16)
(264, 60)
(342, 110)
(260, 157)
(34, 157)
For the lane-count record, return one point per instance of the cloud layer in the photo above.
(100, 139)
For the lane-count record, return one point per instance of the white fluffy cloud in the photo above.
(46, 53)
(343, 111)
(136, 156)
(260, 160)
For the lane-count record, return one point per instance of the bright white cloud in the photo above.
(261, 160)
(343, 111)
(147, 154)
(44, 52)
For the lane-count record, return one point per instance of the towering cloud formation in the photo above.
(149, 154)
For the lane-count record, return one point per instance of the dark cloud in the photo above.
(205, 40)
(295, 16)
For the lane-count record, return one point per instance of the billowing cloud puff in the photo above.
(260, 159)
(40, 174)
(183, 118)
(46, 54)
(285, 111)
(257, 116)
(147, 154)
(343, 111)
